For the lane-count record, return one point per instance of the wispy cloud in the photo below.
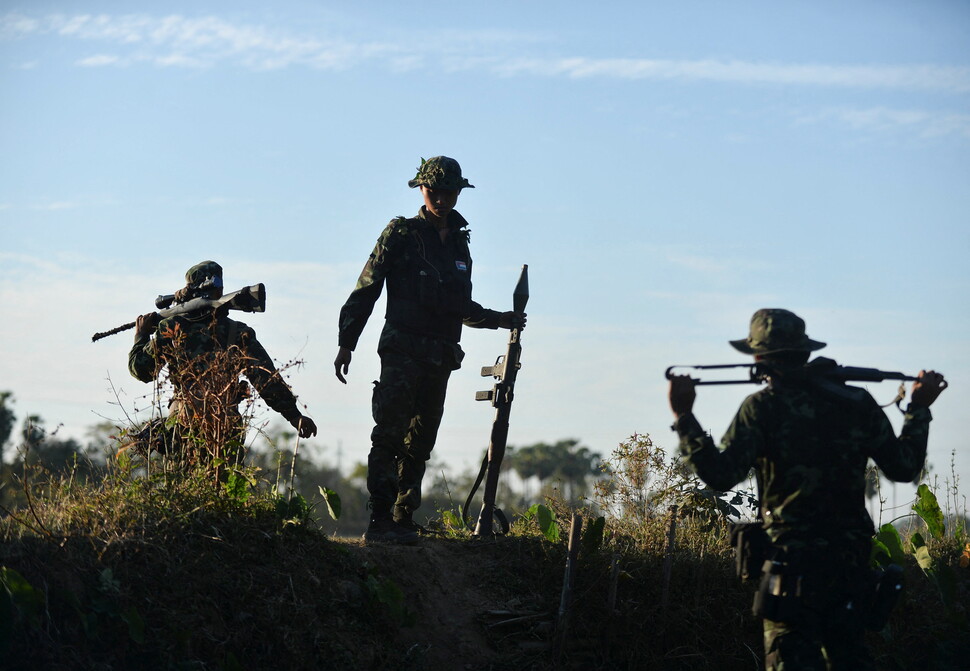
(178, 41)
(97, 61)
(198, 42)
(926, 124)
(953, 79)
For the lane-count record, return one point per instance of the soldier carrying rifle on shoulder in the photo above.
(809, 439)
(205, 344)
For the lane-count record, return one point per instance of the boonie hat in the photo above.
(201, 272)
(440, 172)
(776, 330)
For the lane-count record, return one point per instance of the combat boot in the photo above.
(383, 529)
(404, 520)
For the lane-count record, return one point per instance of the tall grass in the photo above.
(169, 564)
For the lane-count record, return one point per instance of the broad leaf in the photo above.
(547, 523)
(924, 559)
(889, 537)
(333, 501)
(879, 554)
(450, 519)
(237, 487)
(928, 508)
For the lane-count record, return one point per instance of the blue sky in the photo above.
(665, 169)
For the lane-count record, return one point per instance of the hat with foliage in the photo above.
(776, 330)
(440, 172)
(200, 272)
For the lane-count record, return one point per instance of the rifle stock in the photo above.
(505, 370)
(247, 299)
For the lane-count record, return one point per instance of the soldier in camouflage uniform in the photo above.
(189, 344)
(809, 441)
(427, 267)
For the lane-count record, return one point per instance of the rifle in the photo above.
(505, 370)
(821, 367)
(824, 373)
(247, 299)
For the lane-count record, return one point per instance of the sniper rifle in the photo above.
(505, 370)
(247, 299)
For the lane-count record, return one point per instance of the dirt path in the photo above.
(450, 587)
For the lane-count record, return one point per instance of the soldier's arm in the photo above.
(901, 459)
(262, 373)
(482, 318)
(360, 304)
(720, 469)
(141, 357)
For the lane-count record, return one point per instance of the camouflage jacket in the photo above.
(189, 340)
(429, 287)
(810, 448)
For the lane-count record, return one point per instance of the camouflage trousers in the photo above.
(827, 630)
(408, 403)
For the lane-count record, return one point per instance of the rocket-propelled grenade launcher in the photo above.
(505, 370)
(247, 299)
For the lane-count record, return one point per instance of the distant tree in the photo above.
(42, 448)
(565, 460)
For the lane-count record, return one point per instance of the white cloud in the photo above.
(97, 61)
(16, 25)
(926, 123)
(205, 41)
(952, 79)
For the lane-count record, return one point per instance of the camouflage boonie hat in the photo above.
(201, 272)
(440, 172)
(776, 330)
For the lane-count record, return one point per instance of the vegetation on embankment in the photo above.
(172, 570)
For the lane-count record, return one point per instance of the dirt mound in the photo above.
(456, 596)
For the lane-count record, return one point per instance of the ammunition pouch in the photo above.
(750, 543)
(779, 595)
(888, 587)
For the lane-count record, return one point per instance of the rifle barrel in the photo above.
(118, 329)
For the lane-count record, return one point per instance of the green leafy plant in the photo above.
(545, 519)
(332, 500)
(295, 510)
(928, 509)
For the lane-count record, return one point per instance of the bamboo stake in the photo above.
(562, 622)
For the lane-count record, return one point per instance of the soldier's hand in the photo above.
(512, 320)
(304, 426)
(682, 394)
(146, 323)
(342, 362)
(928, 386)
